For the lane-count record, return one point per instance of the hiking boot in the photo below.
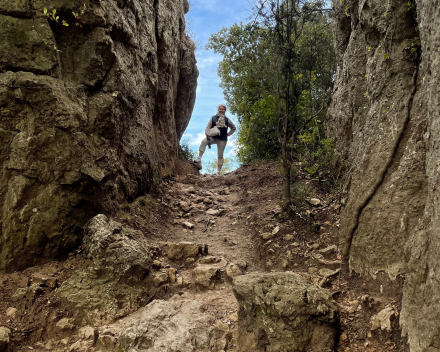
(198, 163)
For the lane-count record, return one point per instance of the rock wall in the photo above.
(90, 125)
(385, 121)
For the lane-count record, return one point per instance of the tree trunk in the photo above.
(286, 170)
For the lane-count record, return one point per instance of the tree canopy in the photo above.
(276, 74)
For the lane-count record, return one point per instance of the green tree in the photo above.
(276, 75)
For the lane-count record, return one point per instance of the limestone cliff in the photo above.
(385, 121)
(92, 107)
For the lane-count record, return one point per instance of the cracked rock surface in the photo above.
(385, 121)
(88, 126)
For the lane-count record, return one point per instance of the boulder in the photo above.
(116, 249)
(284, 312)
(315, 201)
(178, 324)
(382, 320)
(205, 275)
(11, 311)
(119, 261)
(184, 206)
(184, 250)
(4, 338)
(233, 270)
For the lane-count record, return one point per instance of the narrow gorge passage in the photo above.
(158, 276)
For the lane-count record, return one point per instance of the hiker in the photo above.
(216, 133)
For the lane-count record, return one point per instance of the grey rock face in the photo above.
(86, 128)
(283, 312)
(385, 120)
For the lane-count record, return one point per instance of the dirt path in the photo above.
(237, 219)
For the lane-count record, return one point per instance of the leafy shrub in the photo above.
(185, 152)
(317, 155)
(299, 192)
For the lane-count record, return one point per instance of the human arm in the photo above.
(232, 127)
(208, 127)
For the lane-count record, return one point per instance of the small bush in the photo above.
(299, 192)
(185, 152)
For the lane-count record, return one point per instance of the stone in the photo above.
(267, 236)
(184, 206)
(65, 341)
(288, 237)
(87, 333)
(233, 270)
(158, 264)
(315, 246)
(212, 212)
(275, 230)
(159, 279)
(43, 280)
(283, 310)
(10, 312)
(209, 260)
(4, 338)
(177, 324)
(382, 320)
(172, 275)
(65, 324)
(189, 261)
(188, 225)
(315, 201)
(204, 274)
(184, 250)
(328, 251)
(116, 249)
(326, 272)
(119, 259)
(241, 264)
(26, 296)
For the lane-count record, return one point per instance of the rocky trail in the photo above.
(161, 275)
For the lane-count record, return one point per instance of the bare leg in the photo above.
(219, 168)
(200, 154)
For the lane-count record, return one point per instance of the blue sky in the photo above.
(204, 18)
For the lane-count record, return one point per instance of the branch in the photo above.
(306, 123)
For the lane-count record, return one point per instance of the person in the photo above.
(220, 121)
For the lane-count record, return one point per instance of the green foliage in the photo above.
(317, 155)
(413, 45)
(52, 15)
(185, 151)
(253, 80)
(299, 192)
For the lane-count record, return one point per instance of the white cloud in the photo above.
(231, 153)
(196, 141)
